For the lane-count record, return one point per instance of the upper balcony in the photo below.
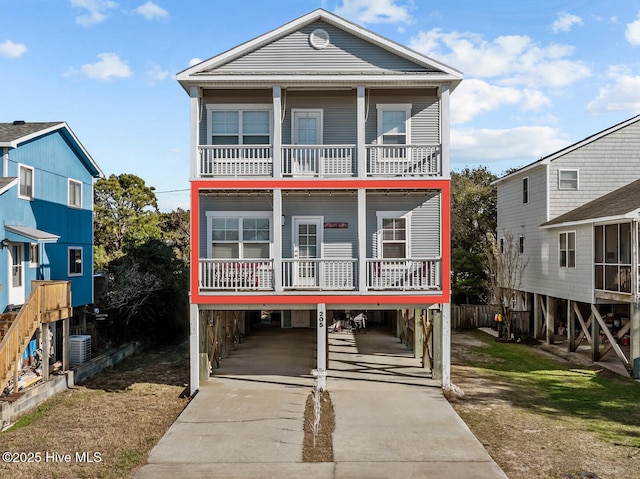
(319, 161)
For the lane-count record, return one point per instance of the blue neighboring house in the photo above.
(46, 211)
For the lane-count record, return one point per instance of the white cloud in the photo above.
(151, 11)
(374, 11)
(474, 96)
(108, 67)
(96, 11)
(511, 60)
(565, 22)
(632, 33)
(155, 73)
(194, 61)
(622, 95)
(9, 49)
(526, 143)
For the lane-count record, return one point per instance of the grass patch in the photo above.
(605, 401)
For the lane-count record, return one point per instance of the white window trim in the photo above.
(306, 110)
(380, 215)
(406, 107)
(239, 107)
(240, 215)
(69, 183)
(320, 220)
(81, 261)
(575, 250)
(33, 182)
(560, 171)
(526, 178)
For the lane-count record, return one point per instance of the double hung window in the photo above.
(239, 126)
(394, 124)
(25, 174)
(239, 237)
(568, 249)
(568, 179)
(394, 235)
(75, 193)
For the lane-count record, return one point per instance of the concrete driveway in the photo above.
(391, 418)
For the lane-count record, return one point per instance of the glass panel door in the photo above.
(16, 273)
(307, 130)
(306, 251)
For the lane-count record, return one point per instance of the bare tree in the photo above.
(506, 263)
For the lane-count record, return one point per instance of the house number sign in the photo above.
(336, 225)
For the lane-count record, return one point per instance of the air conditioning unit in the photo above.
(79, 349)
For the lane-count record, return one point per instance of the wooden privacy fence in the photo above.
(472, 316)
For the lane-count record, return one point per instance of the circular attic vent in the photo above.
(319, 38)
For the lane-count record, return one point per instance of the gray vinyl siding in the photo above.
(604, 165)
(338, 242)
(345, 53)
(229, 203)
(520, 218)
(425, 221)
(425, 113)
(339, 115)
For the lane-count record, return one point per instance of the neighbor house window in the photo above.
(26, 182)
(34, 255)
(239, 126)
(394, 124)
(525, 190)
(501, 245)
(521, 244)
(393, 231)
(568, 249)
(75, 194)
(568, 179)
(240, 237)
(75, 261)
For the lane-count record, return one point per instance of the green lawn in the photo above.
(606, 401)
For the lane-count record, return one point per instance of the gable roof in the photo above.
(13, 134)
(545, 160)
(619, 204)
(216, 69)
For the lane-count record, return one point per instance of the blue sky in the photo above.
(539, 74)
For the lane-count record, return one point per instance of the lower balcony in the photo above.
(413, 275)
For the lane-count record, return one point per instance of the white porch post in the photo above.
(277, 240)
(362, 239)
(321, 324)
(360, 136)
(551, 319)
(194, 349)
(194, 114)
(277, 132)
(446, 345)
(444, 129)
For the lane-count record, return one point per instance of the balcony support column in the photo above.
(194, 115)
(361, 152)
(194, 349)
(277, 240)
(444, 130)
(634, 356)
(362, 239)
(277, 132)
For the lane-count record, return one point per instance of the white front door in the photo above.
(307, 130)
(307, 243)
(16, 273)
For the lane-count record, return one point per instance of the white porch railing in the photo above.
(404, 274)
(324, 274)
(319, 160)
(403, 160)
(236, 160)
(236, 274)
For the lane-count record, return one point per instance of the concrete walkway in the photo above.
(391, 419)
